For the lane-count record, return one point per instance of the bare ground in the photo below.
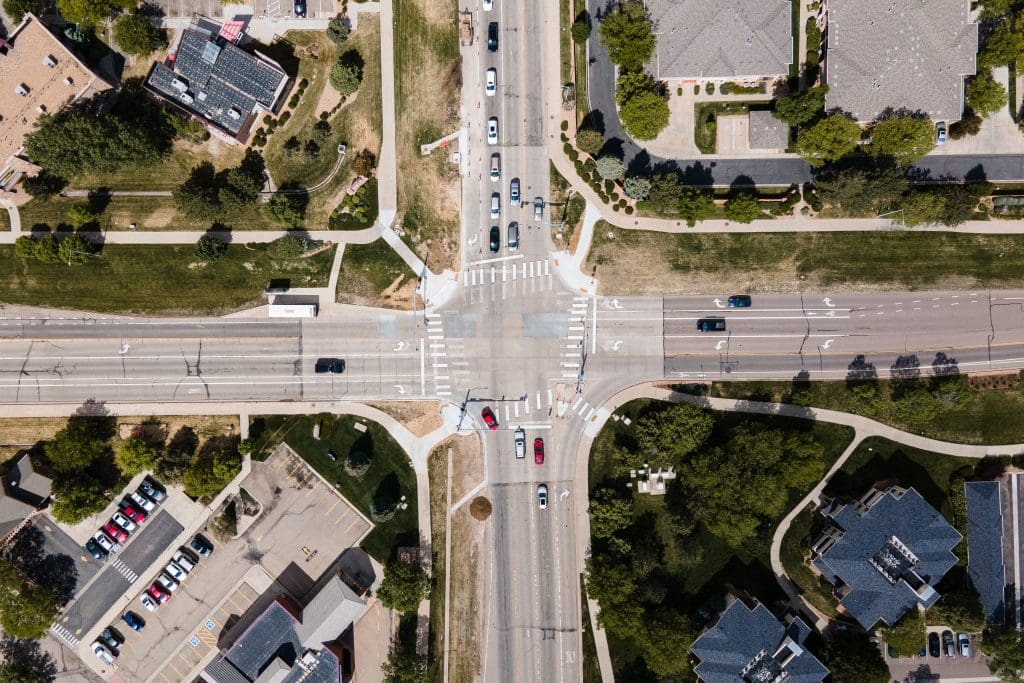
(419, 417)
(468, 468)
(468, 583)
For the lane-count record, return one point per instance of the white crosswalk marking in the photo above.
(65, 635)
(124, 570)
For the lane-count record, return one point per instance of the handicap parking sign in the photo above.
(194, 641)
(209, 625)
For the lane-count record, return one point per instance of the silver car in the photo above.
(495, 205)
(495, 167)
(538, 208)
(514, 197)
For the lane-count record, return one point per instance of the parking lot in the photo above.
(303, 527)
(942, 667)
(187, 8)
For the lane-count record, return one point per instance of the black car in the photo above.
(300, 8)
(949, 643)
(711, 324)
(335, 366)
(739, 301)
(492, 36)
(495, 239)
(201, 546)
(95, 550)
(134, 621)
(934, 645)
(111, 639)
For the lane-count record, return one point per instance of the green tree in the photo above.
(48, 250)
(1006, 653)
(404, 586)
(851, 658)
(903, 138)
(738, 489)
(43, 185)
(81, 214)
(667, 436)
(609, 513)
(210, 248)
(665, 194)
(285, 209)
(337, 31)
(629, 84)
(136, 455)
(74, 250)
(636, 187)
(798, 108)
(645, 115)
(626, 34)
(86, 12)
(984, 95)
(287, 247)
(73, 142)
(668, 633)
(962, 201)
(16, 9)
(830, 139)
(73, 448)
(224, 526)
(26, 610)
(922, 208)
(404, 665)
(198, 196)
(1003, 47)
(961, 611)
(862, 193)
(78, 497)
(589, 141)
(614, 588)
(610, 168)
(207, 476)
(907, 635)
(137, 35)
(22, 661)
(580, 31)
(346, 76)
(743, 208)
(969, 124)
(25, 247)
(241, 185)
(695, 205)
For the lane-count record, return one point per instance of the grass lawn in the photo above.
(793, 551)
(438, 473)
(642, 262)
(157, 279)
(168, 174)
(374, 275)
(591, 667)
(427, 87)
(580, 69)
(696, 588)
(565, 39)
(390, 472)
(983, 416)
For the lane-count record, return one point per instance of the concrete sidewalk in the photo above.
(365, 236)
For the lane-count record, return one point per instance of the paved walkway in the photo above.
(233, 236)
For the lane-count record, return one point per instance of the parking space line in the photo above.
(311, 489)
(322, 495)
(354, 522)
(171, 664)
(343, 516)
(296, 468)
(283, 461)
(232, 601)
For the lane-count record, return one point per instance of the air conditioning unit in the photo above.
(21, 89)
(179, 85)
(69, 81)
(50, 61)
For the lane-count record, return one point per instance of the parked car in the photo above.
(140, 501)
(488, 5)
(185, 560)
(492, 36)
(134, 621)
(334, 366)
(934, 645)
(488, 415)
(495, 239)
(176, 571)
(149, 602)
(495, 167)
(123, 522)
(538, 208)
(166, 582)
(154, 493)
(96, 550)
(106, 542)
(923, 652)
(201, 546)
(300, 9)
(103, 653)
(542, 496)
(158, 592)
(711, 325)
(948, 644)
(964, 643)
(891, 651)
(520, 438)
(514, 197)
(115, 532)
(739, 301)
(491, 82)
(111, 639)
(538, 451)
(495, 205)
(513, 236)
(492, 130)
(940, 133)
(134, 514)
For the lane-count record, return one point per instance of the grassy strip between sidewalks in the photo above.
(565, 38)
(591, 667)
(438, 475)
(794, 551)
(389, 475)
(644, 262)
(156, 279)
(373, 274)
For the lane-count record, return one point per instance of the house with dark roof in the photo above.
(25, 488)
(721, 39)
(986, 568)
(288, 644)
(210, 77)
(899, 54)
(884, 553)
(747, 644)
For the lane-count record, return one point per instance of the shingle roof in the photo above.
(766, 131)
(28, 481)
(721, 38)
(742, 643)
(272, 636)
(881, 538)
(334, 608)
(985, 566)
(899, 54)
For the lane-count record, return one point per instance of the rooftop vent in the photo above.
(21, 89)
(201, 96)
(210, 52)
(50, 61)
(179, 85)
(69, 81)
(185, 97)
(41, 109)
(233, 113)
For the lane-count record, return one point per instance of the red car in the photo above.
(538, 451)
(137, 516)
(115, 532)
(158, 593)
(488, 415)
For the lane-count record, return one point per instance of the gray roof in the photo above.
(766, 131)
(217, 80)
(885, 549)
(271, 636)
(899, 54)
(744, 645)
(985, 566)
(721, 38)
(27, 481)
(334, 608)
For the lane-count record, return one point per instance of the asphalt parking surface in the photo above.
(117, 577)
(59, 543)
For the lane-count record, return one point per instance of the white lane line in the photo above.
(436, 336)
(526, 406)
(497, 259)
(423, 367)
(438, 354)
(583, 408)
(492, 274)
(504, 272)
(506, 413)
(440, 377)
(589, 414)
(579, 298)
(524, 271)
(515, 272)
(575, 354)
(444, 393)
(547, 267)
(465, 282)
(576, 328)
(571, 375)
(538, 400)
(593, 345)
(572, 346)
(437, 346)
(570, 365)
(575, 336)
(549, 397)
(515, 407)
(577, 402)
(440, 365)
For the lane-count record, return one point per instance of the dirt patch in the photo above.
(480, 508)
(22, 432)
(399, 293)
(467, 597)
(419, 417)
(205, 426)
(994, 381)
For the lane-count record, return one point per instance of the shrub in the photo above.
(224, 526)
(565, 138)
(609, 186)
(576, 163)
(303, 84)
(629, 210)
(283, 119)
(564, 126)
(610, 168)
(679, 92)
(364, 162)
(566, 147)
(287, 246)
(346, 75)
(294, 101)
(589, 140)
(696, 89)
(337, 31)
(709, 88)
(357, 463)
(615, 207)
(209, 248)
(267, 119)
(574, 155)
(636, 187)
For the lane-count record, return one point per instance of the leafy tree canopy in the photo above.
(908, 635)
(16, 9)
(629, 84)
(580, 31)
(743, 208)
(862, 193)
(74, 448)
(26, 609)
(666, 192)
(645, 115)
(695, 205)
(590, 141)
(851, 658)
(1004, 46)
(1005, 649)
(76, 498)
(288, 210)
(207, 475)
(610, 167)
(636, 187)
(626, 34)
(137, 35)
(346, 75)
(923, 208)
(23, 660)
(136, 455)
(984, 95)
(667, 436)
(90, 12)
(404, 665)
(902, 138)
(210, 248)
(830, 139)
(961, 611)
(609, 512)
(404, 586)
(798, 108)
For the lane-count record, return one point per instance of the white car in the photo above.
(492, 82)
(495, 205)
(103, 653)
(495, 167)
(542, 496)
(176, 571)
(148, 602)
(123, 522)
(520, 437)
(488, 5)
(514, 197)
(105, 542)
(152, 492)
(492, 130)
(184, 561)
(166, 582)
(143, 502)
